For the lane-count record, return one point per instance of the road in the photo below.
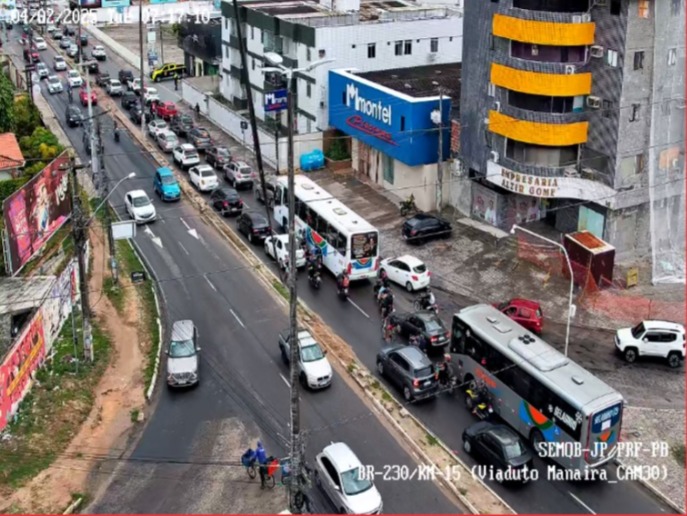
(358, 324)
(203, 279)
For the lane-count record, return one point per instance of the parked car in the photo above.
(72, 50)
(525, 312)
(423, 227)
(165, 184)
(99, 53)
(662, 339)
(281, 243)
(406, 270)
(239, 174)
(137, 113)
(499, 447)
(74, 79)
(139, 207)
(83, 97)
(40, 43)
(314, 370)
(74, 117)
(125, 76)
(50, 28)
(65, 43)
(426, 323)
(83, 40)
(339, 473)
(57, 35)
(185, 155)
(408, 369)
(129, 99)
(156, 126)
(200, 138)
(54, 84)
(181, 124)
(182, 355)
(217, 156)
(103, 78)
(203, 178)
(166, 110)
(270, 186)
(166, 140)
(42, 70)
(226, 201)
(254, 225)
(69, 31)
(114, 88)
(59, 64)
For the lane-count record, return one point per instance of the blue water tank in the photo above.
(312, 160)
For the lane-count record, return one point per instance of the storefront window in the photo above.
(388, 165)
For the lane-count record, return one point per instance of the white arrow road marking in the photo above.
(192, 232)
(152, 236)
(237, 318)
(210, 283)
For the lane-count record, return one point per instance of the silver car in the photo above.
(114, 88)
(167, 140)
(42, 70)
(182, 355)
(60, 64)
(72, 50)
(54, 84)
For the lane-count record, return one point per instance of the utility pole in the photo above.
(30, 69)
(277, 120)
(162, 44)
(108, 220)
(142, 94)
(440, 168)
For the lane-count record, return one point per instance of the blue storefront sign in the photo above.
(394, 123)
(276, 100)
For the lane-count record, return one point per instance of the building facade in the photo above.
(202, 45)
(365, 36)
(559, 115)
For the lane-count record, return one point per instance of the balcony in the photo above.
(537, 32)
(538, 133)
(547, 53)
(558, 6)
(235, 72)
(529, 115)
(537, 83)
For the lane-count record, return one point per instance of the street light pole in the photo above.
(572, 279)
(439, 121)
(142, 91)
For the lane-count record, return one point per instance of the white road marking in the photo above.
(359, 309)
(182, 246)
(184, 223)
(237, 318)
(581, 502)
(152, 236)
(285, 380)
(210, 283)
(191, 231)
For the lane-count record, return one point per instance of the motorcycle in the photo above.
(342, 289)
(478, 402)
(408, 206)
(421, 304)
(315, 280)
(447, 381)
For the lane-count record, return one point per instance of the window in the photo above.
(308, 55)
(643, 7)
(403, 123)
(388, 165)
(321, 53)
(226, 52)
(252, 32)
(408, 47)
(308, 90)
(634, 115)
(371, 51)
(639, 163)
(434, 45)
(612, 57)
(491, 89)
(252, 63)
(398, 48)
(639, 60)
(226, 23)
(606, 107)
(672, 56)
(615, 7)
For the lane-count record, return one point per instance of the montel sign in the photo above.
(367, 107)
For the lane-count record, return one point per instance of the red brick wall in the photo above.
(455, 137)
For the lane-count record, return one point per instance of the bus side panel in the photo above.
(331, 258)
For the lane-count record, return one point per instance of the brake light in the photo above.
(429, 274)
(413, 232)
(255, 231)
(414, 278)
(416, 383)
(226, 204)
(434, 339)
(349, 268)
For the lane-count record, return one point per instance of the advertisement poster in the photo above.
(16, 370)
(58, 306)
(34, 213)
(484, 204)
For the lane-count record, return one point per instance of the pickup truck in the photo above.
(314, 370)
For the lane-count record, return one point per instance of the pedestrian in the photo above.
(261, 457)
(197, 108)
(176, 82)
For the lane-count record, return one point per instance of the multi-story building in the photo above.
(366, 36)
(572, 112)
(201, 42)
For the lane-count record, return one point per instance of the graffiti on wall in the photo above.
(58, 306)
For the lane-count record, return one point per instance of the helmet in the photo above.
(447, 357)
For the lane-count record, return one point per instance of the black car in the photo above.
(270, 187)
(69, 31)
(136, 113)
(227, 201)
(200, 138)
(425, 323)
(93, 67)
(500, 447)
(181, 124)
(254, 225)
(125, 76)
(217, 156)
(83, 40)
(410, 370)
(74, 117)
(129, 99)
(102, 79)
(423, 227)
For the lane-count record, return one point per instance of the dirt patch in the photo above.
(116, 395)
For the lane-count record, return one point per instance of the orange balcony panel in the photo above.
(536, 83)
(538, 133)
(543, 33)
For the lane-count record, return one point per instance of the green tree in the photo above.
(6, 104)
(26, 117)
(43, 146)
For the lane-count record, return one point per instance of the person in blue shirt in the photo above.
(261, 457)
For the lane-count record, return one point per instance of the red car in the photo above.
(165, 110)
(83, 96)
(525, 312)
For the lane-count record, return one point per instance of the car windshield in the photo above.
(420, 269)
(181, 349)
(354, 483)
(513, 450)
(311, 353)
(259, 221)
(207, 173)
(245, 171)
(432, 325)
(54, 80)
(424, 372)
(168, 180)
(73, 73)
(140, 202)
(364, 245)
(224, 153)
(114, 82)
(638, 330)
(201, 133)
(59, 59)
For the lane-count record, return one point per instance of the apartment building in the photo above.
(572, 112)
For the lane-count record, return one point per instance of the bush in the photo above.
(338, 150)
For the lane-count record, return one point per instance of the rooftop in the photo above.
(10, 153)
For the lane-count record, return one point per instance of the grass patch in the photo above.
(114, 293)
(352, 367)
(431, 440)
(386, 396)
(134, 415)
(52, 413)
(374, 385)
(279, 287)
(678, 451)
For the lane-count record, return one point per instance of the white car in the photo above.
(140, 207)
(113, 87)
(156, 126)
(99, 52)
(151, 94)
(134, 85)
(239, 174)
(72, 50)
(60, 64)
(203, 177)
(55, 85)
(408, 271)
(42, 70)
(661, 339)
(74, 79)
(281, 243)
(166, 140)
(186, 155)
(342, 476)
(314, 370)
(40, 43)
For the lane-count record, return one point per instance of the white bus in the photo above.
(346, 240)
(568, 414)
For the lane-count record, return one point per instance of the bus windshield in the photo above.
(364, 245)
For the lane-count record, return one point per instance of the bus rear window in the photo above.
(364, 245)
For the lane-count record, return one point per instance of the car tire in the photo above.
(409, 286)
(467, 446)
(250, 237)
(407, 395)
(630, 355)
(380, 368)
(284, 358)
(674, 360)
(303, 381)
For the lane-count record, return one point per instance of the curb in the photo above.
(655, 491)
(73, 506)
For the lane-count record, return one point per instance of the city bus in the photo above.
(568, 415)
(346, 240)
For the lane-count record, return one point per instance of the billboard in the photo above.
(394, 123)
(33, 213)
(17, 367)
(276, 100)
(58, 305)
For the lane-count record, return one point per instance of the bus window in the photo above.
(458, 339)
(302, 210)
(364, 245)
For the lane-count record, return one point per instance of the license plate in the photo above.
(428, 383)
(234, 209)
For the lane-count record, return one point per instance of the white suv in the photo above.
(203, 177)
(186, 156)
(661, 339)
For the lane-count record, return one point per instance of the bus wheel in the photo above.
(536, 438)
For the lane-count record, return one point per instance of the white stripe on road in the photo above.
(237, 318)
(359, 309)
(182, 246)
(285, 380)
(210, 283)
(581, 502)
(184, 223)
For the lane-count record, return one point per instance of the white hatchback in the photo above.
(74, 79)
(408, 271)
(281, 242)
(203, 177)
(139, 206)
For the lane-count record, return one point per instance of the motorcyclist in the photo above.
(387, 303)
(312, 267)
(381, 283)
(444, 371)
(342, 281)
(116, 131)
(427, 300)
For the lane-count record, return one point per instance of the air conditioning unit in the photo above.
(494, 156)
(582, 18)
(569, 69)
(593, 102)
(497, 106)
(577, 19)
(588, 173)
(596, 51)
(571, 172)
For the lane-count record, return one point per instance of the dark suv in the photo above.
(254, 225)
(125, 76)
(410, 370)
(102, 79)
(218, 156)
(200, 138)
(129, 99)
(423, 227)
(227, 201)
(74, 117)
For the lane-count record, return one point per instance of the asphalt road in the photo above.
(203, 279)
(357, 322)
